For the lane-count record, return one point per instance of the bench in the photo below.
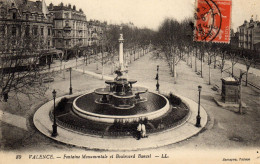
(48, 80)
(215, 88)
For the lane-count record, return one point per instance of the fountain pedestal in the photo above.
(121, 94)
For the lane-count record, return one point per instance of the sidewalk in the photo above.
(186, 130)
(14, 120)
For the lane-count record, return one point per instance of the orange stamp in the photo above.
(213, 19)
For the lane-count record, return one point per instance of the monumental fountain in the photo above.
(120, 100)
(116, 109)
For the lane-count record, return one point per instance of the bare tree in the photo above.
(210, 52)
(196, 55)
(20, 71)
(248, 60)
(202, 54)
(234, 59)
(168, 37)
(222, 63)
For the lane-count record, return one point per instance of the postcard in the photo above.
(129, 81)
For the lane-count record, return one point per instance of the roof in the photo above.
(62, 7)
(25, 5)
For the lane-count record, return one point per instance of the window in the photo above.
(67, 15)
(2, 30)
(13, 31)
(27, 30)
(67, 23)
(14, 15)
(42, 30)
(35, 30)
(27, 16)
(2, 12)
(49, 31)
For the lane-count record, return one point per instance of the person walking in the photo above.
(139, 129)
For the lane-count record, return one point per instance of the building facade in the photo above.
(70, 28)
(61, 27)
(21, 19)
(249, 34)
(96, 31)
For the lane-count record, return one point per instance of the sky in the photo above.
(151, 13)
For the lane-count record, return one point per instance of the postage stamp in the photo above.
(213, 19)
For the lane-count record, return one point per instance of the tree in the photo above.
(20, 71)
(210, 51)
(134, 39)
(223, 50)
(234, 59)
(249, 60)
(196, 55)
(222, 63)
(110, 42)
(202, 54)
(167, 38)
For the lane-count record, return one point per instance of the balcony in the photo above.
(67, 29)
(67, 37)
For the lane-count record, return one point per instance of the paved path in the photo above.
(186, 130)
(14, 120)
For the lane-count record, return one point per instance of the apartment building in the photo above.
(70, 31)
(26, 23)
(249, 34)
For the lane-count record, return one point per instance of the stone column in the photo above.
(121, 51)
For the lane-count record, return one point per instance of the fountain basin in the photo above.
(155, 106)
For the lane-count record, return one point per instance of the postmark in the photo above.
(213, 18)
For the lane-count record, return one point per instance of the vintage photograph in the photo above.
(130, 81)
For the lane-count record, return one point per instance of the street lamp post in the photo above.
(54, 126)
(70, 83)
(157, 78)
(198, 116)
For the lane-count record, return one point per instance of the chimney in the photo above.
(51, 6)
(74, 7)
(38, 3)
(25, 2)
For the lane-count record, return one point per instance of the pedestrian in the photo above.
(139, 129)
(143, 131)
